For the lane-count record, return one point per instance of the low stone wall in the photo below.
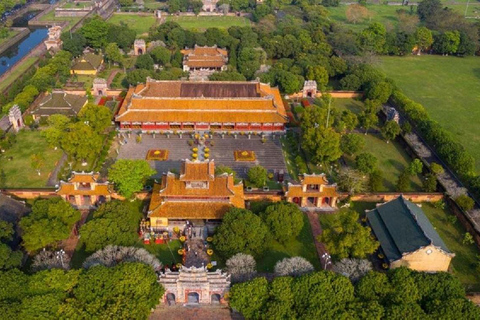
(30, 193)
(263, 196)
(10, 42)
(388, 196)
(339, 94)
(60, 12)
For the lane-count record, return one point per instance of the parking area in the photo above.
(268, 153)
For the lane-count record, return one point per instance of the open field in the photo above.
(447, 87)
(387, 15)
(11, 34)
(17, 72)
(464, 263)
(302, 246)
(18, 170)
(153, 4)
(51, 17)
(141, 24)
(202, 23)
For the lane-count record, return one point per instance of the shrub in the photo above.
(295, 266)
(112, 255)
(242, 267)
(465, 202)
(354, 269)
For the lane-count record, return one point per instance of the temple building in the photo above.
(85, 190)
(195, 194)
(313, 191)
(201, 62)
(407, 238)
(53, 41)
(59, 102)
(197, 106)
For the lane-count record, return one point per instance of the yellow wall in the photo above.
(84, 72)
(158, 222)
(419, 260)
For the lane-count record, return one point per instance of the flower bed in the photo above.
(244, 155)
(158, 155)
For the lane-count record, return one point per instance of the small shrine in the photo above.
(15, 118)
(313, 191)
(139, 47)
(309, 89)
(100, 87)
(85, 190)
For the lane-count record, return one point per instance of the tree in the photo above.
(9, 258)
(73, 43)
(249, 297)
(112, 53)
(58, 124)
(281, 214)
(352, 181)
(144, 61)
(373, 286)
(323, 144)
(390, 130)
(465, 202)
(349, 119)
(221, 169)
(403, 182)
(423, 39)
(430, 183)
(428, 8)
(356, 13)
(6, 231)
(375, 181)
(112, 255)
(373, 38)
(95, 32)
(161, 55)
(37, 162)
(436, 168)
(242, 267)
(366, 162)
(352, 143)
(257, 175)
(354, 269)
(47, 260)
(241, 231)
(447, 42)
(81, 142)
(368, 120)
(379, 91)
(51, 220)
(345, 237)
(114, 223)
(227, 76)
(415, 167)
(97, 117)
(129, 175)
(249, 60)
(135, 77)
(126, 3)
(320, 75)
(294, 266)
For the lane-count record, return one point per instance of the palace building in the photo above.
(202, 106)
(195, 194)
(204, 61)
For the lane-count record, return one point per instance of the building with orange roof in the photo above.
(205, 58)
(313, 191)
(194, 194)
(85, 190)
(202, 106)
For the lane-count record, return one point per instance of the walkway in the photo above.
(317, 231)
(53, 178)
(70, 244)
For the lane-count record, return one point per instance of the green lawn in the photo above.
(356, 106)
(166, 253)
(11, 34)
(392, 160)
(386, 15)
(302, 246)
(18, 171)
(448, 87)
(51, 17)
(20, 70)
(465, 260)
(153, 4)
(202, 23)
(141, 24)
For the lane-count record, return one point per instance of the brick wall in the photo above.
(387, 196)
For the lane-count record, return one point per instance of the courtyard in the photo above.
(267, 154)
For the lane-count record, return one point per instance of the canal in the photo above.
(24, 46)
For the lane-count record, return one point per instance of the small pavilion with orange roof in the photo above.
(85, 190)
(313, 191)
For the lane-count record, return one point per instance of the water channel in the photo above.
(24, 46)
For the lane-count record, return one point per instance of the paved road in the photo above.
(53, 179)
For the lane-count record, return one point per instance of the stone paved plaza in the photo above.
(268, 154)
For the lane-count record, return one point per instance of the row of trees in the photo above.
(400, 294)
(243, 231)
(125, 291)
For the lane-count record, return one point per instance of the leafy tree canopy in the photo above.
(129, 175)
(279, 215)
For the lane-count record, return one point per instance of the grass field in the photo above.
(11, 34)
(302, 246)
(392, 161)
(387, 15)
(18, 171)
(18, 71)
(51, 17)
(141, 24)
(465, 260)
(153, 4)
(448, 87)
(202, 23)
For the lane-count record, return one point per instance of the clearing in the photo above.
(18, 170)
(140, 23)
(201, 22)
(447, 87)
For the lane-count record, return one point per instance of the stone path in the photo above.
(317, 231)
(112, 75)
(53, 179)
(193, 313)
(70, 244)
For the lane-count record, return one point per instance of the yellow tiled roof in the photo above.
(69, 189)
(191, 210)
(296, 191)
(197, 170)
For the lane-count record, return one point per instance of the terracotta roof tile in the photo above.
(296, 191)
(69, 189)
(191, 210)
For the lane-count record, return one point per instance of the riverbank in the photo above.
(20, 33)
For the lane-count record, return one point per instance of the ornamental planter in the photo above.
(209, 252)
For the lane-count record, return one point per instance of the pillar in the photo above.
(303, 202)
